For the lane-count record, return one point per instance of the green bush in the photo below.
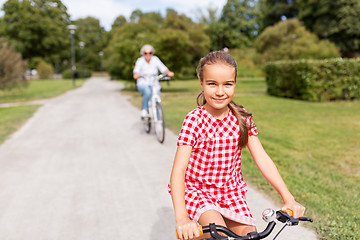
(45, 70)
(314, 80)
(67, 74)
(290, 40)
(246, 59)
(12, 67)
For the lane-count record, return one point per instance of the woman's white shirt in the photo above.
(145, 69)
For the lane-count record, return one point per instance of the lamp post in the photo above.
(101, 54)
(72, 29)
(82, 45)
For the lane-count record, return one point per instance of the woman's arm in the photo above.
(169, 73)
(185, 227)
(272, 175)
(136, 75)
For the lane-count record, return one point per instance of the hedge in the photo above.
(314, 80)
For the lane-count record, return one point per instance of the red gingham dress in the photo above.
(213, 178)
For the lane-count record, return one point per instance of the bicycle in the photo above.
(156, 114)
(269, 215)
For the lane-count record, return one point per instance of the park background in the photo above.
(314, 140)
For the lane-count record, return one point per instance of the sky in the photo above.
(107, 10)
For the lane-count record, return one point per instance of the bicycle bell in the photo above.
(268, 215)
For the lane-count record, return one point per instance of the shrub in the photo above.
(246, 59)
(314, 80)
(12, 67)
(45, 70)
(290, 40)
(68, 74)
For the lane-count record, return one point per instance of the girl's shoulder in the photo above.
(196, 113)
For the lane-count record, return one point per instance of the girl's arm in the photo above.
(270, 172)
(185, 227)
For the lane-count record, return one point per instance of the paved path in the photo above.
(82, 168)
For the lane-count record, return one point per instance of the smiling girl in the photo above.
(206, 182)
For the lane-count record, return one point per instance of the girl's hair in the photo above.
(147, 46)
(237, 110)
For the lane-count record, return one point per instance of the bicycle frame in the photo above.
(156, 114)
(155, 98)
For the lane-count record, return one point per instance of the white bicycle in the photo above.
(156, 114)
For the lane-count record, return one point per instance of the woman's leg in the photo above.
(146, 91)
(239, 228)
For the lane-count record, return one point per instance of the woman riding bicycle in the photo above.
(146, 66)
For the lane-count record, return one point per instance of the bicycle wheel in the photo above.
(159, 123)
(147, 124)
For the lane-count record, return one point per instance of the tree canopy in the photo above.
(95, 39)
(289, 39)
(37, 28)
(178, 41)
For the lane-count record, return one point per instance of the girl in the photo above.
(206, 181)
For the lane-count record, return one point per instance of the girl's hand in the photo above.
(297, 208)
(187, 229)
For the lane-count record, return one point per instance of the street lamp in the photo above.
(82, 45)
(101, 54)
(72, 29)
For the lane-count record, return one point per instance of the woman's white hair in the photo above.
(145, 47)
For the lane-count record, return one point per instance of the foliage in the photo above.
(45, 70)
(290, 40)
(119, 22)
(38, 28)
(241, 26)
(246, 60)
(95, 40)
(12, 67)
(81, 73)
(178, 41)
(214, 28)
(336, 20)
(273, 11)
(315, 80)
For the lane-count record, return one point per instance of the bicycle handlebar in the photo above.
(160, 77)
(282, 216)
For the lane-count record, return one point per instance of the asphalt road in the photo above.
(83, 168)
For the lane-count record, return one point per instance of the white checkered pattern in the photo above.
(213, 178)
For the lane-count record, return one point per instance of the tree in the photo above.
(214, 28)
(289, 39)
(38, 28)
(240, 17)
(273, 11)
(181, 43)
(119, 22)
(94, 36)
(336, 20)
(178, 41)
(124, 46)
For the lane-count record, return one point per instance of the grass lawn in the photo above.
(12, 118)
(316, 147)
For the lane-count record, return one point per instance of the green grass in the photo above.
(316, 147)
(12, 118)
(38, 89)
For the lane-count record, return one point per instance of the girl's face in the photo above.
(219, 86)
